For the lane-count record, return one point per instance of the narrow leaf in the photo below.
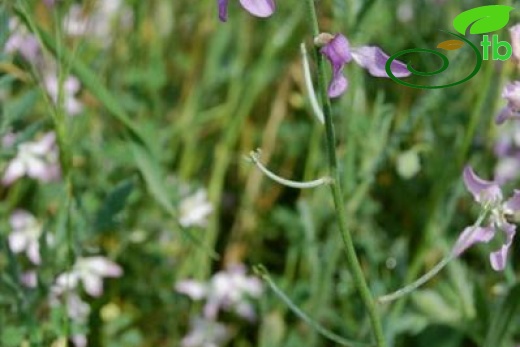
(503, 317)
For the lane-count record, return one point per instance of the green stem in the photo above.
(350, 252)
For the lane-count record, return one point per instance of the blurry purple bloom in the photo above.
(511, 93)
(71, 86)
(489, 195)
(205, 333)
(515, 41)
(258, 8)
(38, 160)
(25, 235)
(29, 279)
(371, 58)
(50, 3)
(507, 151)
(226, 290)
(90, 271)
(20, 41)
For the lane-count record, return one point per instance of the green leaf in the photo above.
(12, 336)
(113, 204)
(502, 318)
(483, 19)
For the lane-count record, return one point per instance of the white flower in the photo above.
(205, 333)
(71, 86)
(228, 290)
(90, 272)
(38, 160)
(195, 209)
(25, 235)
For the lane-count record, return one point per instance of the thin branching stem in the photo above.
(352, 260)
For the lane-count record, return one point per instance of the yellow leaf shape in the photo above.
(451, 45)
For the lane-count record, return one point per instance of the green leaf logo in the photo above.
(483, 19)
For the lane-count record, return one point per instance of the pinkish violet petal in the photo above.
(17, 241)
(472, 235)
(483, 191)
(498, 258)
(504, 114)
(515, 41)
(259, 8)
(223, 10)
(14, 171)
(374, 60)
(93, 284)
(511, 93)
(513, 203)
(337, 85)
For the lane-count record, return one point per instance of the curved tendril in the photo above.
(434, 271)
(310, 87)
(255, 158)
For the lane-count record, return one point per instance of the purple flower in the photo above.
(515, 41)
(258, 8)
(339, 53)
(511, 93)
(205, 333)
(507, 151)
(22, 42)
(489, 195)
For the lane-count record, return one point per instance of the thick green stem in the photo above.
(350, 252)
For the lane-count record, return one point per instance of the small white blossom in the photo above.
(205, 333)
(228, 290)
(195, 209)
(38, 160)
(90, 271)
(25, 235)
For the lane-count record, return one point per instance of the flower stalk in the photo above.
(352, 259)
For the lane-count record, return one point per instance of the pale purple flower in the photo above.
(38, 160)
(339, 53)
(25, 235)
(71, 87)
(205, 333)
(514, 31)
(22, 42)
(29, 279)
(489, 195)
(511, 93)
(507, 151)
(258, 8)
(90, 271)
(228, 290)
(195, 209)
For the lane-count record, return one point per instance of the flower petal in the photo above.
(337, 85)
(374, 60)
(93, 284)
(472, 235)
(513, 203)
(223, 10)
(195, 290)
(483, 191)
(337, 52)
(14, 171)
(498, 258)
(511, 93)
(18, 241)
(259, 8)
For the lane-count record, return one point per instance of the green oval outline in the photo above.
(411, 85)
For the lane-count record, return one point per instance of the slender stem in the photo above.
(337, 193)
